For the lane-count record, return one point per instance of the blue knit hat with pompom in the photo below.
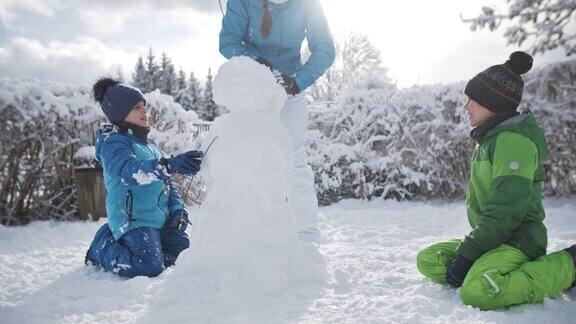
(116, 99)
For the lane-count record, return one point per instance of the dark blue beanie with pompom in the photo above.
(116, 99)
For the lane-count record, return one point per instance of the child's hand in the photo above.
(186, 163)
(457, 271)
(178, 221)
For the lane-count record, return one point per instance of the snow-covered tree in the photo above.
(43, 125)
(181, 85)
(194, 93)
(358, 65)
(550, 93)
(415, 142)
(544, 25)
(209, 110)
(189, 94)
(140, 76)
(120, 75)
(153, 74)
(168, 76)
(181, 81)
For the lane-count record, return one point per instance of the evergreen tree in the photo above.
(120, 75)
(180, 94)
(189, 93)
(194, 91)
(153, 74)
(209, 110)
(181, 82)
(167, 76)
(139, 76)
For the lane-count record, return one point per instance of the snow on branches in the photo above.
(47, 129)
(414, 143)
(545, 25)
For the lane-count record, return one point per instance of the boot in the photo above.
(87, 260)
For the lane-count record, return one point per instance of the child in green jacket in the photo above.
(503, 260)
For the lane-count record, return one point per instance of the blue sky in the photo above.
(75, 41)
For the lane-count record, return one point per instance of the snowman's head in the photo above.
(243, 84)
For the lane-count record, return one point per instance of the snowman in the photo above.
(244, 240)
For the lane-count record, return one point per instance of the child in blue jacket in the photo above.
(147, 218)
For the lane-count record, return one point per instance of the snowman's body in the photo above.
(244, 248)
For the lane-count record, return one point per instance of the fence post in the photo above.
(91, 192)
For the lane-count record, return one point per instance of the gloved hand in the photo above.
(186, 163)
(290, 85)
(264, 62)
(457, 271)
(178, 221)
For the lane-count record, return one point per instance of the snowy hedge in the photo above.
(376, 142)
(414, 143)
(44, 126)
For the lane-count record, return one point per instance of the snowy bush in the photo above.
(414, 143)
(369, 141)
(44, 127)
(551, 96)
(376, 144)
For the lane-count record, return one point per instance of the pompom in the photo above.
(101, 86)
(520, 62)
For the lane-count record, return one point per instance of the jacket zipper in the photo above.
(160, 196)
(129, 205)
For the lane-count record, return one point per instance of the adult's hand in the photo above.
(264, 62)
(290, 85)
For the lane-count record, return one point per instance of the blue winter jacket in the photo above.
(139, 191)
(292, 21)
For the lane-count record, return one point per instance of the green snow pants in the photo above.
(501, 277)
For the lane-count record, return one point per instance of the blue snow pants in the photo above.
(142, 251)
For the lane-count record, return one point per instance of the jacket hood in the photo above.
(104, 131)
(523, 124)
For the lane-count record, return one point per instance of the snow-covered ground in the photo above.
(370, 248)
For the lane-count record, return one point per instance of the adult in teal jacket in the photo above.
(245, 32)
(271, 32)
(146, 215)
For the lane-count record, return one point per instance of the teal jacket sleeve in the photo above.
(175, 201)
(234, 28)
(119, 161)
(320, 43)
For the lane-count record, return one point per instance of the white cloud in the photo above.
(111, 17)
(421, 41)
(209, 6)
(72, 62)
(103, 21)
(43, 7)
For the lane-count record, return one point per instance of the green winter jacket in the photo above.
(504, 201)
